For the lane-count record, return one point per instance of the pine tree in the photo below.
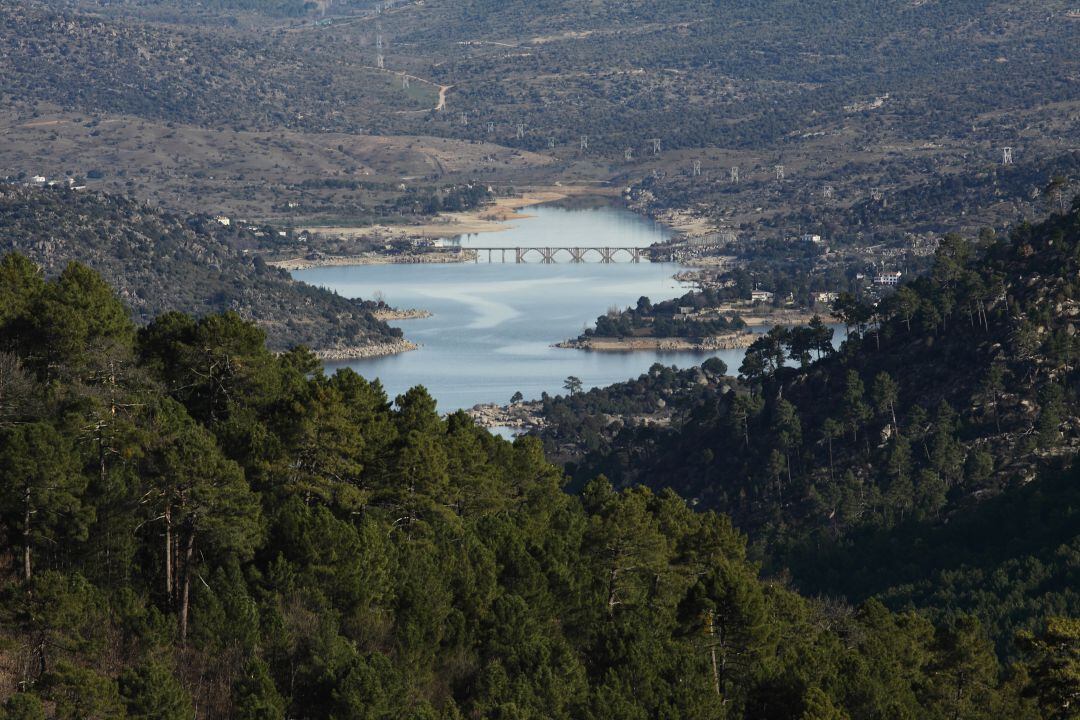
(41, 492)
(1054, 658)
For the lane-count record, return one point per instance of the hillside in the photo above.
(951, 403)
(190, 521)
(160, 262)
(914, 100)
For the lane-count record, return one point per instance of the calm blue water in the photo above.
(494, 324)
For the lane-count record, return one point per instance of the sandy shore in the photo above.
(438, 256)
(392, 314)
(731, 341)
(358, 352)
(489, 218)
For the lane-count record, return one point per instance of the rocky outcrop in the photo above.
(730, 341)
(359, 352)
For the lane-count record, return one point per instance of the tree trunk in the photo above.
(168, 554)
(185, 591)
(715, 671)
(26, 536)
(612, 599)
(830, 459)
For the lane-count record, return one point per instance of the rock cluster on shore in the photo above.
(524, 415)
(358, 352)
(392, 314)
(731, 341)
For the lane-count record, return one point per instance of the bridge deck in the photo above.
(551, 255)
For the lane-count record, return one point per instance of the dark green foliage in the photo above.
(254, 695)
(81, 693)
(296, 545)
(151, 692)
(23, 706)
(1055, 671)
(903, 463)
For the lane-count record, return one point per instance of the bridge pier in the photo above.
(607, 255)
(548, 256)
(577, 255)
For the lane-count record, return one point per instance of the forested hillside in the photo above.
(928, 459)
(158, 261)
(190, 521)
(751, 73)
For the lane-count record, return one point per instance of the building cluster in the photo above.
(42, 181)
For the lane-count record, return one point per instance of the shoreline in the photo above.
(394, 314)
(364, 352)
(492, 217)
(788, 318)
(428, 258)
(731, 341)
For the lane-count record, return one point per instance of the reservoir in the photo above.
(493, 325)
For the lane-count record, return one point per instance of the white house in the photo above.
(888, 278)
(825, 298)
(761, 296)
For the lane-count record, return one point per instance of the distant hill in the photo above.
(160, 262)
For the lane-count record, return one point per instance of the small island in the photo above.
(690, 323)
(699, 321)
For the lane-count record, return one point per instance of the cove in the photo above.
(493, 325)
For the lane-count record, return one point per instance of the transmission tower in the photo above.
(464, 118)
(827, 192)
(404, 81)
(380, 61)
(697, 168)
(584, 142)
(735, 174)
(655, 146)
(628, 154)
(521, 130)
(491, 127)
(1007, 156)
(551, 143)
(779, 170)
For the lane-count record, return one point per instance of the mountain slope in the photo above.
(952, 401)
(161, 262)
(193, 526)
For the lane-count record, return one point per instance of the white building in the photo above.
(825, 298)
(811, 238)
(761, 296)
(888, 278)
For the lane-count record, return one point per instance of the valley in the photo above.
(536, 359)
